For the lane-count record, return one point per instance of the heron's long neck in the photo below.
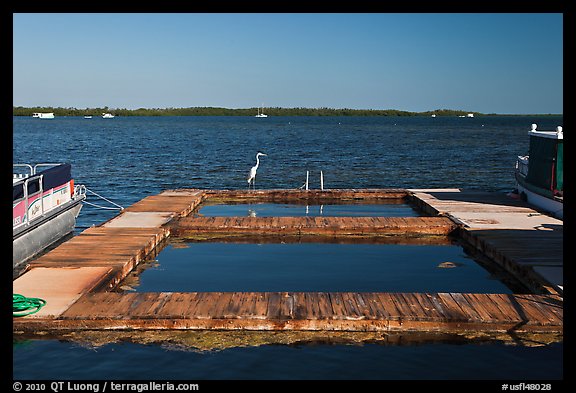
(257, 161)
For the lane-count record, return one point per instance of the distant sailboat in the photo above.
(261, 113)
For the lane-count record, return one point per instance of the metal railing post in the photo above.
(26, 217)
(41, 187)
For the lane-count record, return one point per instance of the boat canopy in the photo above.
(52, 177)
(546, 169)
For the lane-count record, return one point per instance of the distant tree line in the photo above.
(215, 111)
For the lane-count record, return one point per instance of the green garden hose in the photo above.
(22, 305)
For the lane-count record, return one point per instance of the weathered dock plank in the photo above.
(319, 226)
(180, 203)
(308, 311)
(118, 249)
(317, 196)
(452, 308)
(59, 287)
(177, 307)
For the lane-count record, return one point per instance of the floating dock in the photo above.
(526, 243)
(78, 278)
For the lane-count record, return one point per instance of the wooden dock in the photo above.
(525, 242)
(313, 311)
(77, 279)
(238, 227)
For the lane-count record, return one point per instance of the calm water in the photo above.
(126, 159)
(316, 267)
(295, 210)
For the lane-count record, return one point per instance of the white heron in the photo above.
(252, 174)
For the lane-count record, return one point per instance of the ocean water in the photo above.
(127, 159)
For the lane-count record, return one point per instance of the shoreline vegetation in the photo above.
(271, 111)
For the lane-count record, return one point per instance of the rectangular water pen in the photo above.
(105, 254)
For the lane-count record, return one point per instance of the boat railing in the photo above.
(23, 175)
(32, 186)
(26, 198)
(30, 179)
(32, 169)
(44, 165)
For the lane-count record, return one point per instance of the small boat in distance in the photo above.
(107, 116)
(43, 115)
(540, 174)
(88, 116)
(261, 112)
(45, 204)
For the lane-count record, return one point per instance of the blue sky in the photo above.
(486, 62)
